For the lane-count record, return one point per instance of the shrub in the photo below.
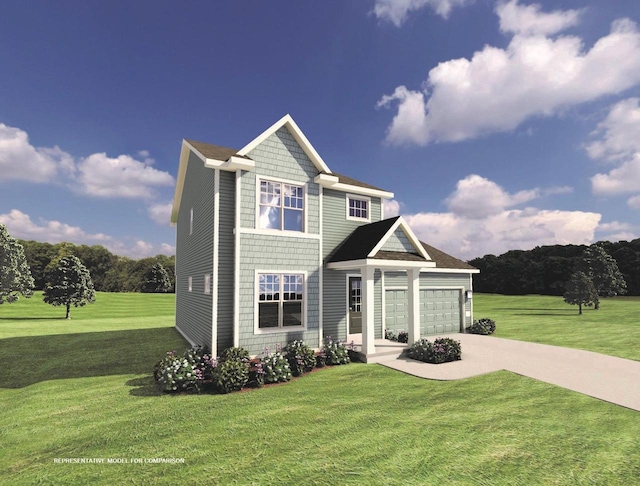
(335, 353)
(483, 326)
(403, 337)
(177, 374)
(275, 368)
(390, 335)
(234, 354)
(300, 356)
(231, 375)
(442, 350)
(203, 362)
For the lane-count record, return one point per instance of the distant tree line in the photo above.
(547, 269)
(109, 272)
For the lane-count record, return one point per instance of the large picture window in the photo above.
(281, 206)
(280, 300)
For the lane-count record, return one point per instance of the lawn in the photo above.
(82, 389)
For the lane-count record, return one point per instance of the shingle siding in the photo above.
(398, 241)
(194, 253)
(335, 229)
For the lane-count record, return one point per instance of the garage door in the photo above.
(395, 317)
(439, 311)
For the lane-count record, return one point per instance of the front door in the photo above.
(355, 301)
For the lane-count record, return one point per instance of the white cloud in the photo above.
(19, 160)
(390, 208)
(160, 213)
(123, 176)
(497, 89)
(20, 225)
(620, 132)
(397, 11)
(622, 179)
(476, 197)
(634, 202)
(529, 20)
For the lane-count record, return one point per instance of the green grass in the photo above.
(83, 389)
(613, 330)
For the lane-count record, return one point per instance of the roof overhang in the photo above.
(402, 224)
(379, 263)
(332, 182)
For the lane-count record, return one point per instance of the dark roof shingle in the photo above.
(216, 152)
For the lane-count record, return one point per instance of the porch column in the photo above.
(413, 277)
(367, 297)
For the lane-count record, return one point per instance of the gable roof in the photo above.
(210, 151)
(362, 240)
(443, 260)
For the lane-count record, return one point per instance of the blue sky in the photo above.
(498, 125)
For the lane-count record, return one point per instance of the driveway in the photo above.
(614, 380)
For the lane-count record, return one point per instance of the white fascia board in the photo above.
(297, 134)
(378, 263)
(400, 223)
(326, 180)
(450, 270)
(365, 191)
(182, 172)
(238, 163)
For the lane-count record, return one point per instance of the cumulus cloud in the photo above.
(619, 132)
(390, 208)
(529, 20)
(622, 179)
(397, 11)
(96, 175)
(160, 213)
(634, 202)
(123, 176)
(19, 160)
(20, 225)
(535, 75)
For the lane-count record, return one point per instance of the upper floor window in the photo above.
(281, 206)
(358, 208)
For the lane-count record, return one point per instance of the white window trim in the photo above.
(190, 221)
(256, 303)
(353, 197)
(305, 211)
(190, 288)
(207, 283)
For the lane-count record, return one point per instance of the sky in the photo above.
(498, 125)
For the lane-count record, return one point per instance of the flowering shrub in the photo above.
(403, 337)
(483, 326)
(301, 357)
(231, 375)
(234, 354)
(275, 368)
(442, 350)
(335, 352)
(184, 373)
(390, 335)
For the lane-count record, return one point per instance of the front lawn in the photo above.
(613, 330)
(83, 389)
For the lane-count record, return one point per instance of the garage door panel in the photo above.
(441, 311)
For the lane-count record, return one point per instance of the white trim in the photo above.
(355, 197)
(236, 263)
(305, 190)
(426, 287)
(384, 303)
(348, 295)
(401, 223)
(331, 182)
(368, 310)
(398, 265)
(320, 273)
(190, 221)
(256, 302)
(287, 121)
(190, 284)
(216, 259)
(449, 270)
(271, 232)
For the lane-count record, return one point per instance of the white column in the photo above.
(413, 277)
(367, 297)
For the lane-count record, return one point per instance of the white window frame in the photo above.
(282, 182)
(353, 197)
(280, 328)
(207, 283)
(190, 284)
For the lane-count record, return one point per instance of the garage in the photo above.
(439, 311)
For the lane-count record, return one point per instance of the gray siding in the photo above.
(277, 253)
(194, 253)
(226, 247)
(398, 241)
(335, 228)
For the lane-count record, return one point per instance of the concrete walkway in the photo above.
(614, 380)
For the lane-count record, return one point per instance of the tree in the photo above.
(603, 271)
(69, 283)
(15, 276)
(580, 291)
(156, 279)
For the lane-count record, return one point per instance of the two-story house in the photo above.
(273, 246)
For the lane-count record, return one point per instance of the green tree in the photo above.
(69, 283)
(603, 271)
(15, 276)
(156, 279)
(580, 291)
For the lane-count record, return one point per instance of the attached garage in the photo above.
(440, 311)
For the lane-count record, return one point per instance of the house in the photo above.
(273, 246)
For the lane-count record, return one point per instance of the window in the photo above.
(191, 222)
(190, 284)
(280, 300)
(358, 208)
(207, 284)
(281, 206)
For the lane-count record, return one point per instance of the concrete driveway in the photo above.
(614, 380)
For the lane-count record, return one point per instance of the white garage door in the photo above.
(439, 311)
(395, 317)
